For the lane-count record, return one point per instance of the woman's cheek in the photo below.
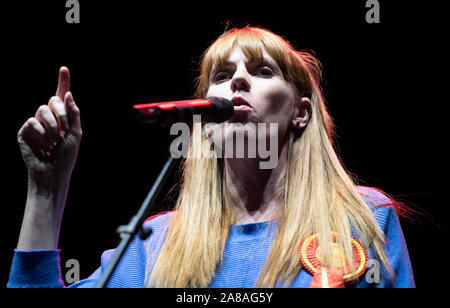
(217, 90)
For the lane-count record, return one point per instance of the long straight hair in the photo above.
(316, 193)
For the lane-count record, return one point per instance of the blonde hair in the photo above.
(316, 194)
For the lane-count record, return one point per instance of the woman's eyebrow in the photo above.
(265, 60)
(228, 63)
(270, 62)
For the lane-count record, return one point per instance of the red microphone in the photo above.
(211, 109)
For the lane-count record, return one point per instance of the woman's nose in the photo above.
(240, 80)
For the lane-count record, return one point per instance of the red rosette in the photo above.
(310, 257)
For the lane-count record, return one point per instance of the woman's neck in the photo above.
(255, 188)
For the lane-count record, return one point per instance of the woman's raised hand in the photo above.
(50, 140)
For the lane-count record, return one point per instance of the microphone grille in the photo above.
(224, 107)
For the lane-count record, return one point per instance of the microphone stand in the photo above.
(127, 232)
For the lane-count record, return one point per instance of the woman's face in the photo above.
(258, 91)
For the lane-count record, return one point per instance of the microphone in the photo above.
(211, 109)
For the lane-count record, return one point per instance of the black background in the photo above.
(377, 80)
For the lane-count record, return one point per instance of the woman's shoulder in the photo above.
(158, 220)
(387, 212)
(383, 207)
(374, 196)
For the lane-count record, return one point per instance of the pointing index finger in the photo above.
(63, 82)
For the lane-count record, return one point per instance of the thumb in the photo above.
(63, 82)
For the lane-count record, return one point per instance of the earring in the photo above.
(297, 122)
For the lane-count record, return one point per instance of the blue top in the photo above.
(245, 253)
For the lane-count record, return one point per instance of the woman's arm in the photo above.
(49, 144)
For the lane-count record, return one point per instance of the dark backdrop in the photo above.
(375, 80)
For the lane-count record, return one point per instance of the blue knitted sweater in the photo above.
(245, 253)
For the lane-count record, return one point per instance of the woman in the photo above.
(301, 222)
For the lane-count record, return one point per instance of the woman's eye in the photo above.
(220, 76)
(265, 71)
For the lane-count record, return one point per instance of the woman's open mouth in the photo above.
(240, 104)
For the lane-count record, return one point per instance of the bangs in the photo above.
(251, 45)
(252, 41)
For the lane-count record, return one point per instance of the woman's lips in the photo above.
(240, 104)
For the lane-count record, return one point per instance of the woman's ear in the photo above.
(302, 113)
